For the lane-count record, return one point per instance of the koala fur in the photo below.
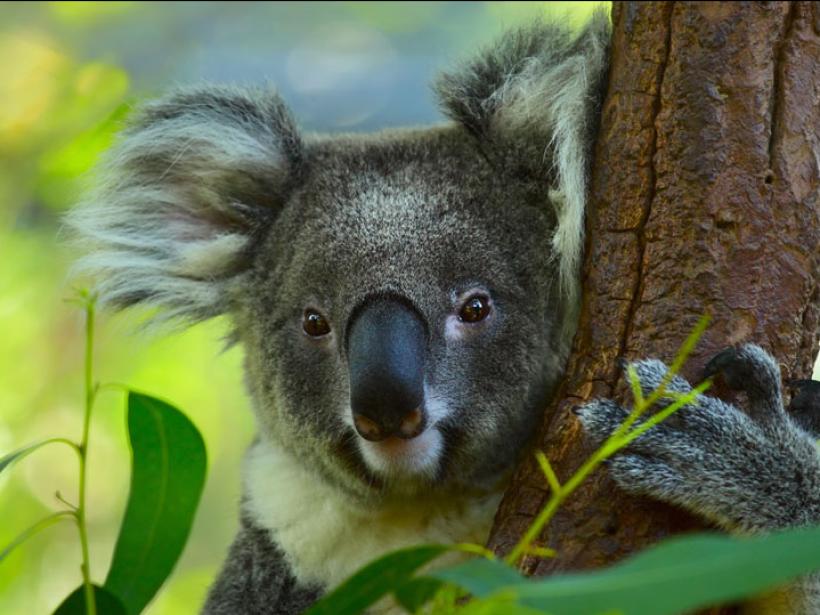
(214, 203)
(746, 471)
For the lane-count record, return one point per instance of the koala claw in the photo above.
(750, 369)
(722, 360)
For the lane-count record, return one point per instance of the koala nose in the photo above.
(386, 348)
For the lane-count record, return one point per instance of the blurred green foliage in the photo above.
(41, 396)
(58, 112)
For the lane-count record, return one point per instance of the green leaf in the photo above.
(10, 458)
(498, 604)
(107, 603)
(679, 575)
(167, 475)
(416, 592)
(34, 529)
(481, 577)
(375, 581)
(7, 460)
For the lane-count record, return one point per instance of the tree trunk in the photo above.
(704, 198)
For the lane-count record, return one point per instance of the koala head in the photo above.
(403, 298)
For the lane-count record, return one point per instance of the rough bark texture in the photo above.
(704, 199)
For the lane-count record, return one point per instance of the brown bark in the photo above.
(704, 199)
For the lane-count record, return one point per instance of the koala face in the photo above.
(405, 299)
(437, 297)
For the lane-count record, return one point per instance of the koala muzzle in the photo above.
(386, 349)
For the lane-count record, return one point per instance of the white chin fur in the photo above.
(394, 458)
(327, 536)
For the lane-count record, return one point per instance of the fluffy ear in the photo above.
(193, 179)
(534, 96)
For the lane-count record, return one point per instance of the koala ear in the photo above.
(193, 179)
(532, 99)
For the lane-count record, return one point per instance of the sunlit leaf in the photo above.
(34, 529)
(375, 581)
(10, 458)
(88, 13)
(575, 13)
(88, 123)
(167, 476)
(498, 604)
(28, 88)
(7, 460)
(679, 575)
(481, 577)
(107, 603)
(79, 154)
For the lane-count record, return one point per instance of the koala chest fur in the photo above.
(326, 536)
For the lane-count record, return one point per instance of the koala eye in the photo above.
(314, 324)
(475, 309)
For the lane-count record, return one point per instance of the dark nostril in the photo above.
(408, 428)
(412, 424)
(367, 428)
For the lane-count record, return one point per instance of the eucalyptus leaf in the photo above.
(167, 476)
(416, 592)
(10, 458)
(677, 576)
(7, 460)
(498, 604)
(107, 603)
(34, 529)
(481, 577)
(376, 580)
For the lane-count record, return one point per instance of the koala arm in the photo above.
(746, 471)
(256, 580)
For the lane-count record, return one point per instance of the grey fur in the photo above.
(212, 203)
(746, 471)
(181, 196)
(536, 91)
(256, 579)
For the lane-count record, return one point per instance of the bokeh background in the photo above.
(69, 74)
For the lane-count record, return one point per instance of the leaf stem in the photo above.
(90, 394)
(622, 436)
(557, 498)
(65, 441)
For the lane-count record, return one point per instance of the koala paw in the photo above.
(751, 370)
(742, 470)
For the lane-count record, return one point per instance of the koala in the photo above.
(748, 471)
(405, 299)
